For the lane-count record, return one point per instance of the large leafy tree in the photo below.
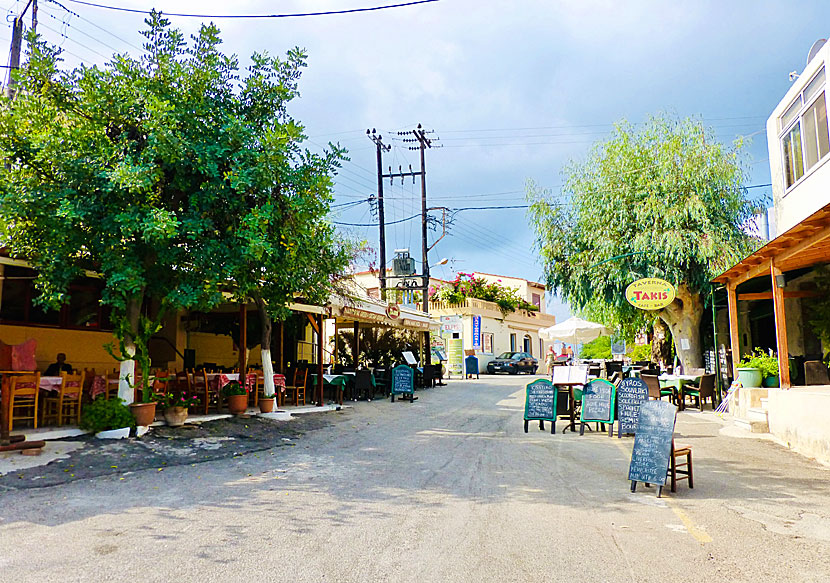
(154, 172)
(664, 199)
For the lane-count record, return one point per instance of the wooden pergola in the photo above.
(807, 244)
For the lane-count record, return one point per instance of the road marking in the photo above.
(699, 535)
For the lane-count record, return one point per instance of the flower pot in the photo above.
(749, 377)
(237, 404)
(144, 413)
(121, 433)
(266, 404)
(771, 381)
(175, 416)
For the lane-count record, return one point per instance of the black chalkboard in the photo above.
(471, 366)
(403, 382)
(598, 402)
(630, 395)
(652, 444)
(540, 403)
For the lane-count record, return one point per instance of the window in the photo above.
(83, 310)
(487, 341)
(536, 300)
(804, 139)
(512, 343)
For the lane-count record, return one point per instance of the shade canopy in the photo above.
(574, 331)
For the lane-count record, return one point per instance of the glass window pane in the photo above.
(15, 298)
(793, 163)
(815, 86)
(83, 307)
(38, 315)
(791, 113)
(815, 132)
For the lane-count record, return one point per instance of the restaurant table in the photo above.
(677, 382)
(571, 401)
(336, 381)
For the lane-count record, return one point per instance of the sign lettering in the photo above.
(650, 293)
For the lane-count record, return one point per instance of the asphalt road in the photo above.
(449, 488)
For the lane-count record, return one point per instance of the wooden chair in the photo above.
(655, 391)
(89, 377)
(297, 388)
(706, 389)
(163, 381)
(202, 389)
(680, 471)
(113, 378)
(815, 373)
(66, 405)
(23, 398)
(363, 384)
(255, 379)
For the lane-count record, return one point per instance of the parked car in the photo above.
(513, 363)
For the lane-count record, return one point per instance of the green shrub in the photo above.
(599, 348)
(640, 352)
(766, 363)
(105, 414)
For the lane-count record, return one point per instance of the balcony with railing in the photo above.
(476, 307)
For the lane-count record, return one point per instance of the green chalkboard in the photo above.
(403, 382)
(598, 403)
(540, 404)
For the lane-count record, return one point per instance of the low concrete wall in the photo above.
(749, 398)
(801, 417)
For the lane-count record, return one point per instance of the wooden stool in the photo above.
(680, 471)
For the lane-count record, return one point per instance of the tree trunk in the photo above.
(127, 370)
(267, 366)
(683, 317)
(660, 347)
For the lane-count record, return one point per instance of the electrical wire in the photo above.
(249, 16)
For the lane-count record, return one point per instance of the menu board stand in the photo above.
(652, 445)
(540, 404)
(631, 393)
(598, 405)
(403, 383)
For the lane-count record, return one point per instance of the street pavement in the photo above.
(448, 488)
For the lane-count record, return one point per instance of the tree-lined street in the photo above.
(449, 488)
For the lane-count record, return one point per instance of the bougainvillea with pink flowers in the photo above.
(467, 285)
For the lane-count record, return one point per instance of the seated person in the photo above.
(56, 368)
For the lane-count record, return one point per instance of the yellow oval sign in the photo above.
(650, 293)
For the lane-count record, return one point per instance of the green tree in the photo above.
(663, 200)
(154, 173)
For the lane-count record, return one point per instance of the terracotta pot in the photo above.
(144, 413)
(237, 404)
(175, 416)
(266, 404)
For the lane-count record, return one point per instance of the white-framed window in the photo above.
(804, 136)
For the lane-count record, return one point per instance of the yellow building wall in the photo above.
(83, 348)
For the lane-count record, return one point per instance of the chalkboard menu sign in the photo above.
(652, 444)
(597, 403)
(471, 366)
(630, 395)
(540, 403)
(403, 382)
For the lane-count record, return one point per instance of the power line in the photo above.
(249, 16)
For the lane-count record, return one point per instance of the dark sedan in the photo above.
(513, 363)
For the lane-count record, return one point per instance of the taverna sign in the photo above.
(650, 293)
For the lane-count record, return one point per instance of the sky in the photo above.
(514, 91)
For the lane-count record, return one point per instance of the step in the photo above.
(757, 414)
(752, 426)
(764, 402)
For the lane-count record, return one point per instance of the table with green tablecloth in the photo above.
(676, 383)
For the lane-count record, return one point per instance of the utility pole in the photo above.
(380, 147)
(17, 44)
(423, 144)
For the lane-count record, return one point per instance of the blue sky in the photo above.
(513, 89)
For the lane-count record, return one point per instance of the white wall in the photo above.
(812, 191)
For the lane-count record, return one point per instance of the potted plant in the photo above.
(236, 396)
(176, 407)
(145, 411)
(107, 418)
(757, 369)
(266, 403)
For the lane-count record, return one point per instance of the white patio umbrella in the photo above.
(574, 331)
